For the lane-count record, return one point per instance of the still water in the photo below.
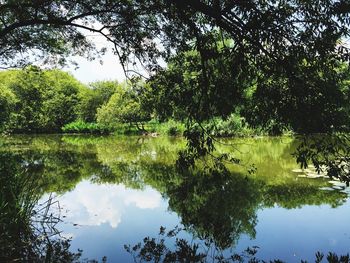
(107, 192)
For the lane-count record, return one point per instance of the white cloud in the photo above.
(90, 204)
(90, 71)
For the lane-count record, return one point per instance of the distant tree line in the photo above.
(33, 100)
(43, 101)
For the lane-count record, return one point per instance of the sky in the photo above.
(90, 71)
(110, 69)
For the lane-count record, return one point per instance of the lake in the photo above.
(106, 192)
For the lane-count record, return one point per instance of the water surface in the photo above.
(111, 191)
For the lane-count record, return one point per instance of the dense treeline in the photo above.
(38, 101)
(313, 99)
(33, 100)
(44, 101)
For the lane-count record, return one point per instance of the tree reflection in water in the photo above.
(216, 206)
(27, 230)
(181, 250)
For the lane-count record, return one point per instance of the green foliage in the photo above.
(60, 102)
(313, 100)
(233, 126)
(328, 153)
(97, 94)
(271, 100)
(171, 128)
(35, 100)
(86, 127)
(123, 107)
(27, 231)
(17, 196)
(38, 100)
(291, 49)
(180, 250)
(7, 104)
(28, 88)
(261, 31)
(190, 89)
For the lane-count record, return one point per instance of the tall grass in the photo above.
(27, 230)
(86, 127)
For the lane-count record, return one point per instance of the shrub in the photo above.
(173, 128)
(86, 127)
(233, 126)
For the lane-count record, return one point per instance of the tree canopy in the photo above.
(288, 52)
(34, 100)
(276, 42)
(124, 106)
(279, 31)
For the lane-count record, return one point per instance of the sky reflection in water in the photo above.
(92, 204)
(101, 218)
(109, 216)
(115, 191)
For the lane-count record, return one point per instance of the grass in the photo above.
(233, 126)
(86, 127)
(171, 128)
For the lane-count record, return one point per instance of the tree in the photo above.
(184, 89)
(315, 94)
(29, 88)
(123, 107)
(61, 99)
(36, 100)
(273, 36)
(7, 103)
(94, 97)
(55, 28)
(276, 30)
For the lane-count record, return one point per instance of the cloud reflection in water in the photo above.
(92, 204)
